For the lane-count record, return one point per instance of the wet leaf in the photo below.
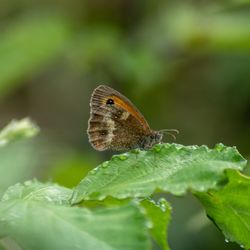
(167, 167)
(159, 213)
(229, 208)
(35, 216)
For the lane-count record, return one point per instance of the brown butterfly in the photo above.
(116, 124)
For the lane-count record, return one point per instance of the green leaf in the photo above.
(168, 167)
(160, 215)
(27, 44)
(34, 222)
(15, 130)
(157, 213)
(229, 208)
(37, 191)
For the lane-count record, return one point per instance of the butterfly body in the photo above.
(116, 124)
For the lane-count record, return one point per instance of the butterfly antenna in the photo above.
(171, 132)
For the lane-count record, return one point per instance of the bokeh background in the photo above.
(185, 64)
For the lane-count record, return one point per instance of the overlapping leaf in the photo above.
(37, 191)
(39, 223)
(159, 213)
(229, 208)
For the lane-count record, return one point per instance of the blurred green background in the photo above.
(185, 64)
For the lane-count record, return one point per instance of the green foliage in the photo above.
(43, 216)
(36, 191)
(189, 58)
(159, 215)
(229, 208)
(36, 217)
(166, 167)
(28, 44)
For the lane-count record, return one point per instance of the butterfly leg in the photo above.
(136, 151)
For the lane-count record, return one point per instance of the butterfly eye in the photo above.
(110, 101)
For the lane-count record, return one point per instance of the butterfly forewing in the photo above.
(115, 123)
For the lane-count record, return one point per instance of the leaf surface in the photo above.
(229, 208)
(160, 214)
(168, 167)
(36, 223)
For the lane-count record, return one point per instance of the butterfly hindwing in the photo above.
(115, 123)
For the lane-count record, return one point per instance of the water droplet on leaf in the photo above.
(157, 148)
(115, 157)
(149, 224)
(123, 157)
(94, 170)
(219, 147)
(105, 164)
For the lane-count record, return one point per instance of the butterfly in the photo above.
(116, 124)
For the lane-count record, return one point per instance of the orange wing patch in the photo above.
(126, 106)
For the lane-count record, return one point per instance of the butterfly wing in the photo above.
(115, 123)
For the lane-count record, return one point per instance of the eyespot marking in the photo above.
(110, 101)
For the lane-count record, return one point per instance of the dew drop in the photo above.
(123, 157)
(101, 197)
(157, 148)
(105, 164)
(94, 170)
(176, 146)
(226, 240)
(219, 147)
(242, 246)
(149, 224)
(114, 157)
(162, 206)
(162, 201)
